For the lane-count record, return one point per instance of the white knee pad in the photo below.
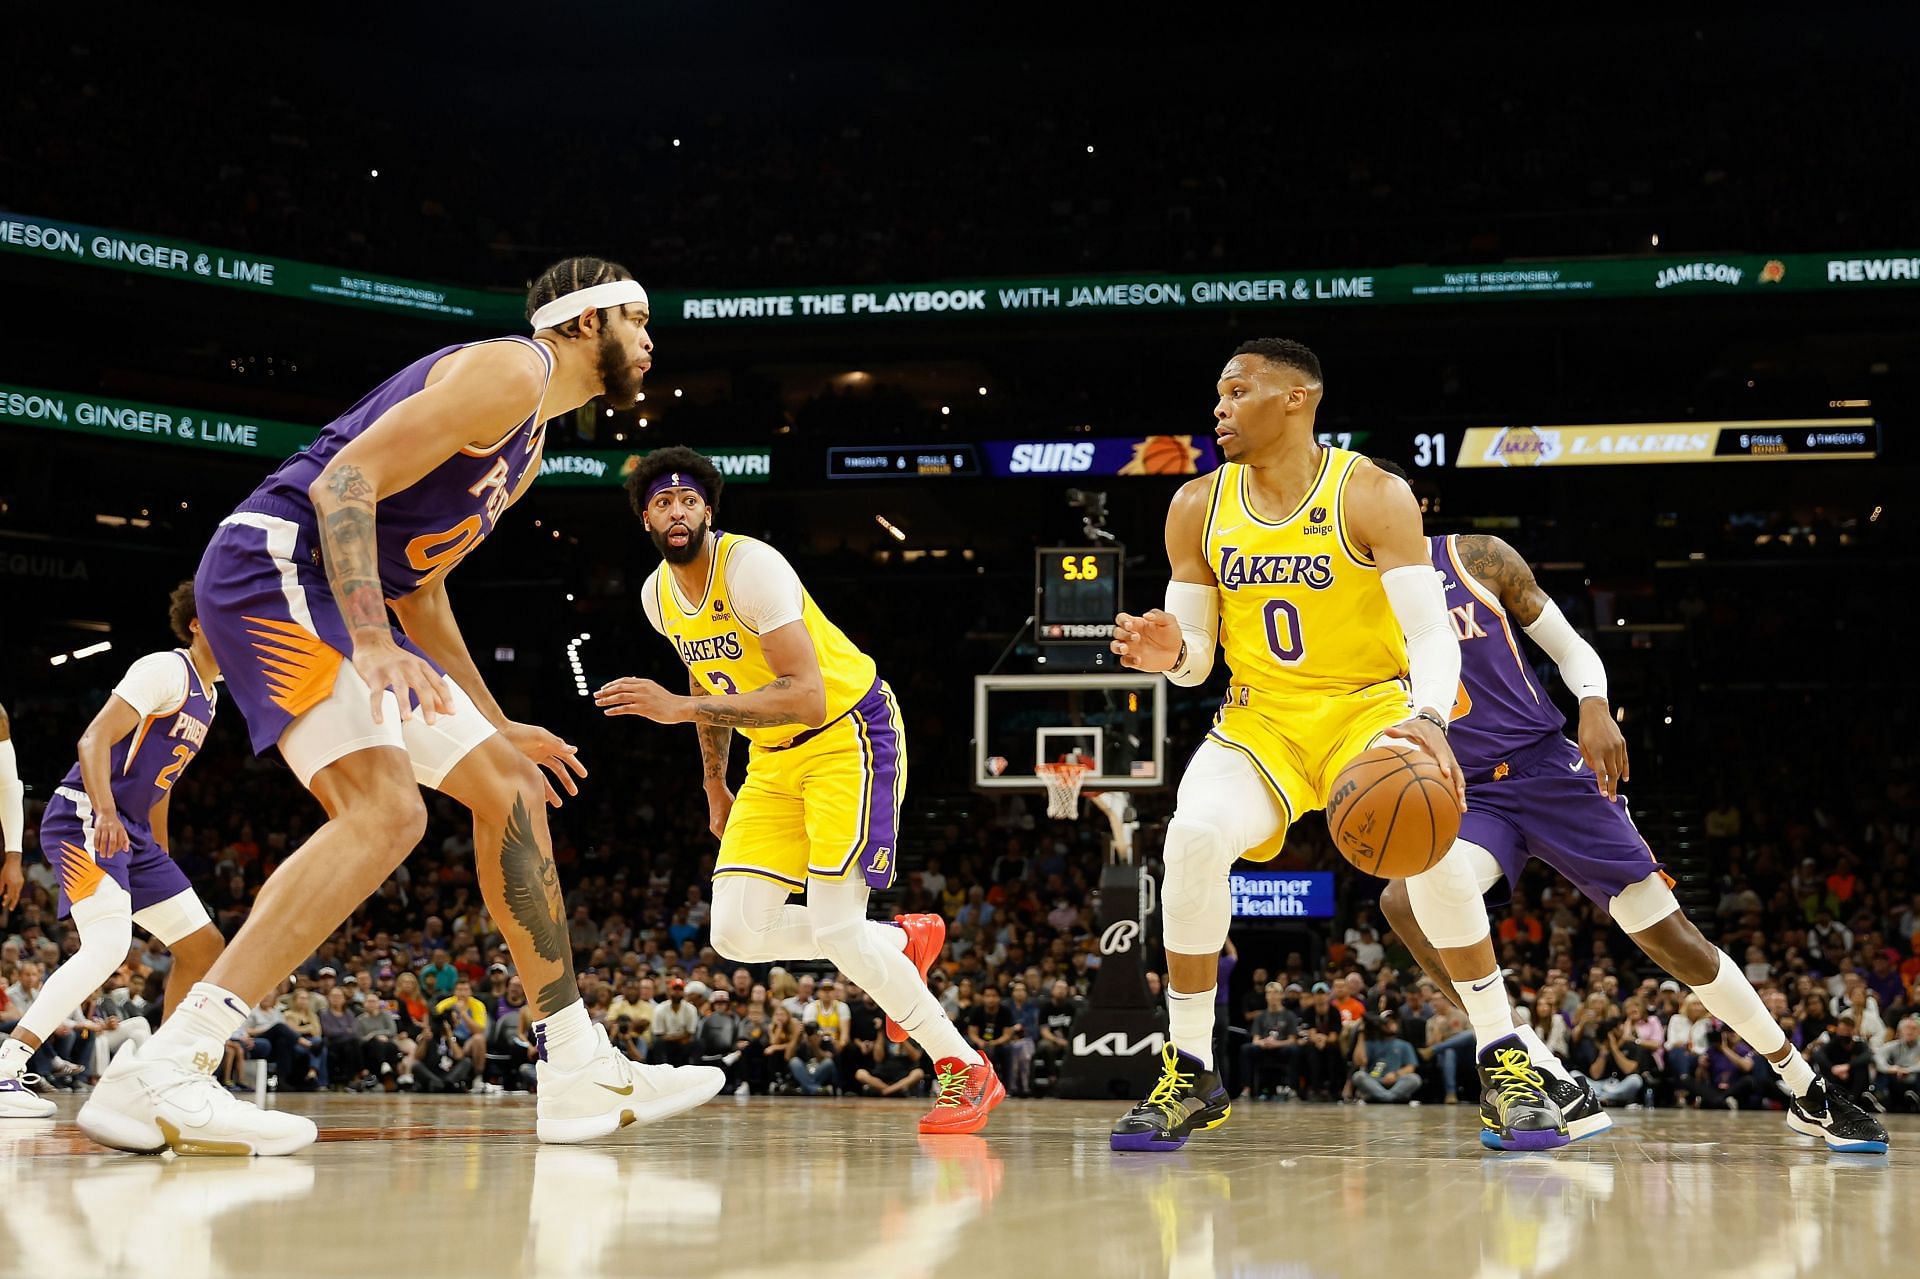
(849, 944)
(1446, 899)
(1195, 901)
(743, 916)
(1640, 906)
(106, 928)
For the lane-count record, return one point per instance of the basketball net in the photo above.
(1063, 780)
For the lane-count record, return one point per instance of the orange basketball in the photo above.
(1391, 812)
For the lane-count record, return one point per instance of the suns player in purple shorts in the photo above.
(105, 834)
(295, 592)
(1533, 793)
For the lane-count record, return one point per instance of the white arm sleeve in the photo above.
(1197, 609)
(13, 800)
(1419, 601)
(154, 684)
(765, 591)
(1581, 669)
(650, 601)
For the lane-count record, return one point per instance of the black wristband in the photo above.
(1432, 719)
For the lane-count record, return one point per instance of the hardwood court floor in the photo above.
(403, 1186)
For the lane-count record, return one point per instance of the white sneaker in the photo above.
(150, 1106)
(611, 1092)
(19, 1101)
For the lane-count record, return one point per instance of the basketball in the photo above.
(1392, 813)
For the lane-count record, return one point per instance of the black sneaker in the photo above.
(1582, 1110)
(1515, 1111)
(1837, 1118)
(1189, 1098)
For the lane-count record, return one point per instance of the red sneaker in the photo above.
(964, 1094)
(926, 937)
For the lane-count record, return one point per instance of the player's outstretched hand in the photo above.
(1150, 643)
(1427, 735)
(1602, 746)
(631, 696)
(558, 757)
(384, 665)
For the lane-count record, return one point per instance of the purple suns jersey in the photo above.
(1499, 712)
(427, 528)
(149, 760)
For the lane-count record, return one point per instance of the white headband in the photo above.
(568, 306)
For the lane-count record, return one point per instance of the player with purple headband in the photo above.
(1532, 792)
(295, 593)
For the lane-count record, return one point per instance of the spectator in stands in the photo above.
(437, 978)
(674, 1025)
(1897, 1067)
(830, 1013)
(811, 1062)
(1323, 1065)
(467, 1023)
(1273, 1048)
(381, 1047)
(896, 1070)
(1025, 1041)
(1731, 1075)
(1686, 1042)
(1056, 1028)
(1844, 1059)
(441, 1062)
(783, 1039)
(798, 998)
(988, 1026)
(340, 1028)
(265, 1036)
(718, 1041)
(1385, 1062)
(1620, 1068)
(756, 1032)
(1449, 1045)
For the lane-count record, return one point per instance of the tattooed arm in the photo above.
(1500, 569)
(716, 742)
(472, 396)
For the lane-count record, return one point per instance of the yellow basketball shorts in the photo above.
(826, 807)
(1298, 745)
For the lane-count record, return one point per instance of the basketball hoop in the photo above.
(1063, 780)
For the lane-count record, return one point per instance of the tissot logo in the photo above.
(1051, 459)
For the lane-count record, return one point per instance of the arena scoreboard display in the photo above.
(1643, 443)
(1076, 593)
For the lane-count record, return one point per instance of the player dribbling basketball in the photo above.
(1312, 567)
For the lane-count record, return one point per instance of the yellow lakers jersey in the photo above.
(1301, 608)
(724, 653)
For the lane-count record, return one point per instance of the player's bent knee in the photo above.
(1445, 900)
(849, 945)
(1395, 906)
(1640, 906)
(1195, 906)
(742, 919)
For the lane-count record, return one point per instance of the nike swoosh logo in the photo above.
(1576, 766)
(1228, 532)
(618, 1092)
(1488, 982)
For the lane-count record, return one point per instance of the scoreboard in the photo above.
(1643, 443)
(1076, 593)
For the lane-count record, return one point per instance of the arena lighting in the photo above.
(677, 392)
(569, 597)
(1849, 404)
(945, 411)
(983, 390)
(676, 142)
(1656, 240)
(1089, 150)
(895, 531)
(373, 173)
(58, 659)
(573, 660)
(609, 412)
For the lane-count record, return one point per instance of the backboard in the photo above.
(1117, 723)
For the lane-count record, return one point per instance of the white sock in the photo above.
(897, 988)
(1795, 1073)
(13, 1059)
(1190, 1020)
(196, 1034)
(1732, 998)
(1484, 1000)
(1541, 1054)
(566, 1038)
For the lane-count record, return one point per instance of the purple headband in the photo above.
(677, 480)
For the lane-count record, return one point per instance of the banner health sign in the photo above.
(1282, 894)
(192, 430)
